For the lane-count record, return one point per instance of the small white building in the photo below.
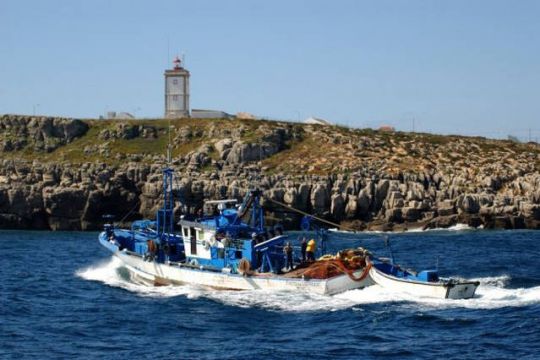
(242, 115)
(210, 114)
(317, 121)
(120, 115)
(387, 128)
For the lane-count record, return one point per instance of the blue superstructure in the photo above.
(233, 237)
(230, 238)
(152, 239)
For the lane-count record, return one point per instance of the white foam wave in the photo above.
(498, 281)
(106, 272)
(112, 273)
(457, 227)
(490, 294)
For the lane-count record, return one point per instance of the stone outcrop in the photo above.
(47, 196)
(487, 183)
(42, 133)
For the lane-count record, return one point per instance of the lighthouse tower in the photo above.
(176, 91)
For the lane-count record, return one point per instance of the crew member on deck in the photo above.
(310, 250)
(288, 250)
(152, 250)
(303, 246)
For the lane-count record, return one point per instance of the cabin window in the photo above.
(193, 241)
(200, 235)
(186, 232)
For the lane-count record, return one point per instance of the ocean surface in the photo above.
(62, 297)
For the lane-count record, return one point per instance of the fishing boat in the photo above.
(425, 283)
(229, 247)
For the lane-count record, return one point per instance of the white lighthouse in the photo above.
(176, 91)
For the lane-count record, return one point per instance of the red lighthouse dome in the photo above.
(177, 63)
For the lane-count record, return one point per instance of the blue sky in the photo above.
(466, 67)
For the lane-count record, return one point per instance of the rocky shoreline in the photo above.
(488, 183)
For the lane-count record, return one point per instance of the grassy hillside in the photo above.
(309, 149)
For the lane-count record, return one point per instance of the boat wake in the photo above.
(491, 294)
(457, 227)
(112, 272)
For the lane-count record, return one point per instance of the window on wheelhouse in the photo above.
(193, 241)
(200, 234)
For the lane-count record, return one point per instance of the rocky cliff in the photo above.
(65, 174)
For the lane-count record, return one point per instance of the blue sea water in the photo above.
(63, 296)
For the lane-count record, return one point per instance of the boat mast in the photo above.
(165, 216)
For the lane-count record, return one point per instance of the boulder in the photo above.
(64, 202)
(337, 206)
(381, 191)
(242, 152)
(364, 202)
(223, 147)
(469, 204)
(394, 200)
(351, 209)
(319, 198)
(393, 215)
(531, 211)
(411, 214)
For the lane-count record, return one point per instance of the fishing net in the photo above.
(346, 261)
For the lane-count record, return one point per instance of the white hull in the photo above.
(176, 274)
(441, 290)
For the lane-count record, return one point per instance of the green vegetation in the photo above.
(312, 149)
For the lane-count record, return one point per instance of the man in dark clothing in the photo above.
(288, 250)
(303, 249)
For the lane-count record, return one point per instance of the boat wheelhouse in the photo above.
(223, 240)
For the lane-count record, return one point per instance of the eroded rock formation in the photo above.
(379, 181)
